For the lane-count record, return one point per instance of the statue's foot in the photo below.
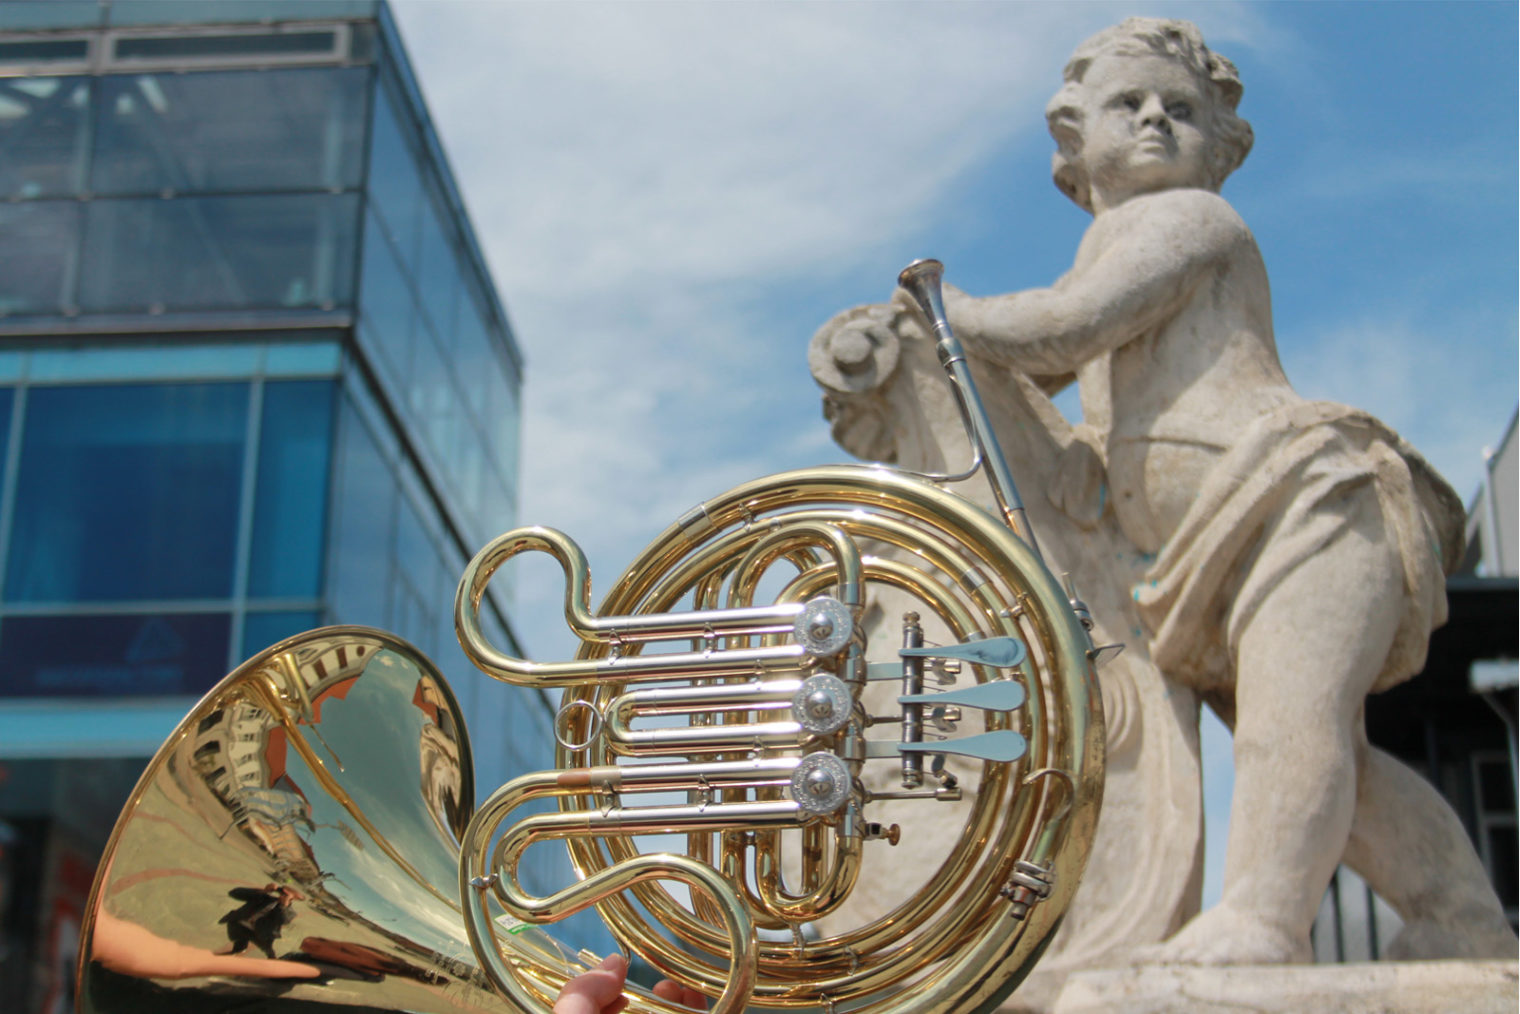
(1221, 936)
(1473, 939)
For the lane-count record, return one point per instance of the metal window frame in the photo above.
(101, 50)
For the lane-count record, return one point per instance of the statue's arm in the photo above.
(1139, 265)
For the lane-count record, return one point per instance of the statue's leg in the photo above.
(1304, 665)
(1408, 845)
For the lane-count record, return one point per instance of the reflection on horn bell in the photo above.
(297, 839)
(778, 671)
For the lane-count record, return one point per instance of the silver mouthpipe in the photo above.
(921, 280)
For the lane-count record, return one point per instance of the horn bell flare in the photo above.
(294, 845)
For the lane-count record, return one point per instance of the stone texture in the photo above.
(1275, 557)
(1427, 987)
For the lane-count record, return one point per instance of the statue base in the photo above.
(1384, 987)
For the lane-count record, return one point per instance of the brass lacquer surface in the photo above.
(296, 839)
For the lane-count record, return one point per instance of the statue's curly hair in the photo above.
(1179, 40)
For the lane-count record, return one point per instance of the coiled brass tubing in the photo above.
(991, 604)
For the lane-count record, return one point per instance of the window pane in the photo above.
(434, 401)
(27, 15)
(362, 523)
(174, 12)
(43, 126)
(415, 553)
(295, 436)
(385, 300)
(203, 252)
(39, 244)
(7, 399)
(296, 359)
(394, 185)
(438, 275)
(269, 129)
(37, 50)
(263, 630)
(239, 44)
(42, 656)
(172, 362)
(475, 358)
(128, 492)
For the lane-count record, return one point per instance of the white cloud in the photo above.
(638, 172)
(1419, 379)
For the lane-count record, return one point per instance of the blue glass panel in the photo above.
(173, 362)
(233, 44)
(27, 15)
(433, 399)
(177, 12)
(39, 249)
(317, 359)
(362, 522)
(414, 611)
(229, 130)
(394, 184)
(44, 125)
(261, 630)
(438, 274)
(128, 492)
(475, 357)
(295, 441)
(416, 554)
(468, 465)
(385, 301)
(263, 250)
(7, 402)
(43, 656)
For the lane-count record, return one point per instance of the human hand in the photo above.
(600, 991)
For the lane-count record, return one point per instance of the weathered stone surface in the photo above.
(1426, 987)
(1278, 558)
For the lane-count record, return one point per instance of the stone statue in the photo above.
(888, 399)
(1296, 550)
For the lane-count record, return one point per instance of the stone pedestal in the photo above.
(1417, 987)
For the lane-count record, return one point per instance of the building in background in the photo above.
(254, 378)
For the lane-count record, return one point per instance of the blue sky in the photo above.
(673, 197)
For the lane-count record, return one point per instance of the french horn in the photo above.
(305, 841)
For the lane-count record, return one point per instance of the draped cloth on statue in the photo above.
(1278, 496)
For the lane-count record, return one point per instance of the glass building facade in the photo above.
(254, 378)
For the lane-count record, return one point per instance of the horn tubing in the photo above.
(922, 281)
(613, 880)
(615, 630)
(854, 488)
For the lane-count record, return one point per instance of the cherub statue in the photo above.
(1300, 548)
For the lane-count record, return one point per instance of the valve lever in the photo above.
(1000, 652)
(998, 695)
(1003, 745)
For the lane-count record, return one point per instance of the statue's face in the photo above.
(1146, 128)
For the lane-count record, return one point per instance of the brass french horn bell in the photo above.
(775, 669)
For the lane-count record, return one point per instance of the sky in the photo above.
(672, 197)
